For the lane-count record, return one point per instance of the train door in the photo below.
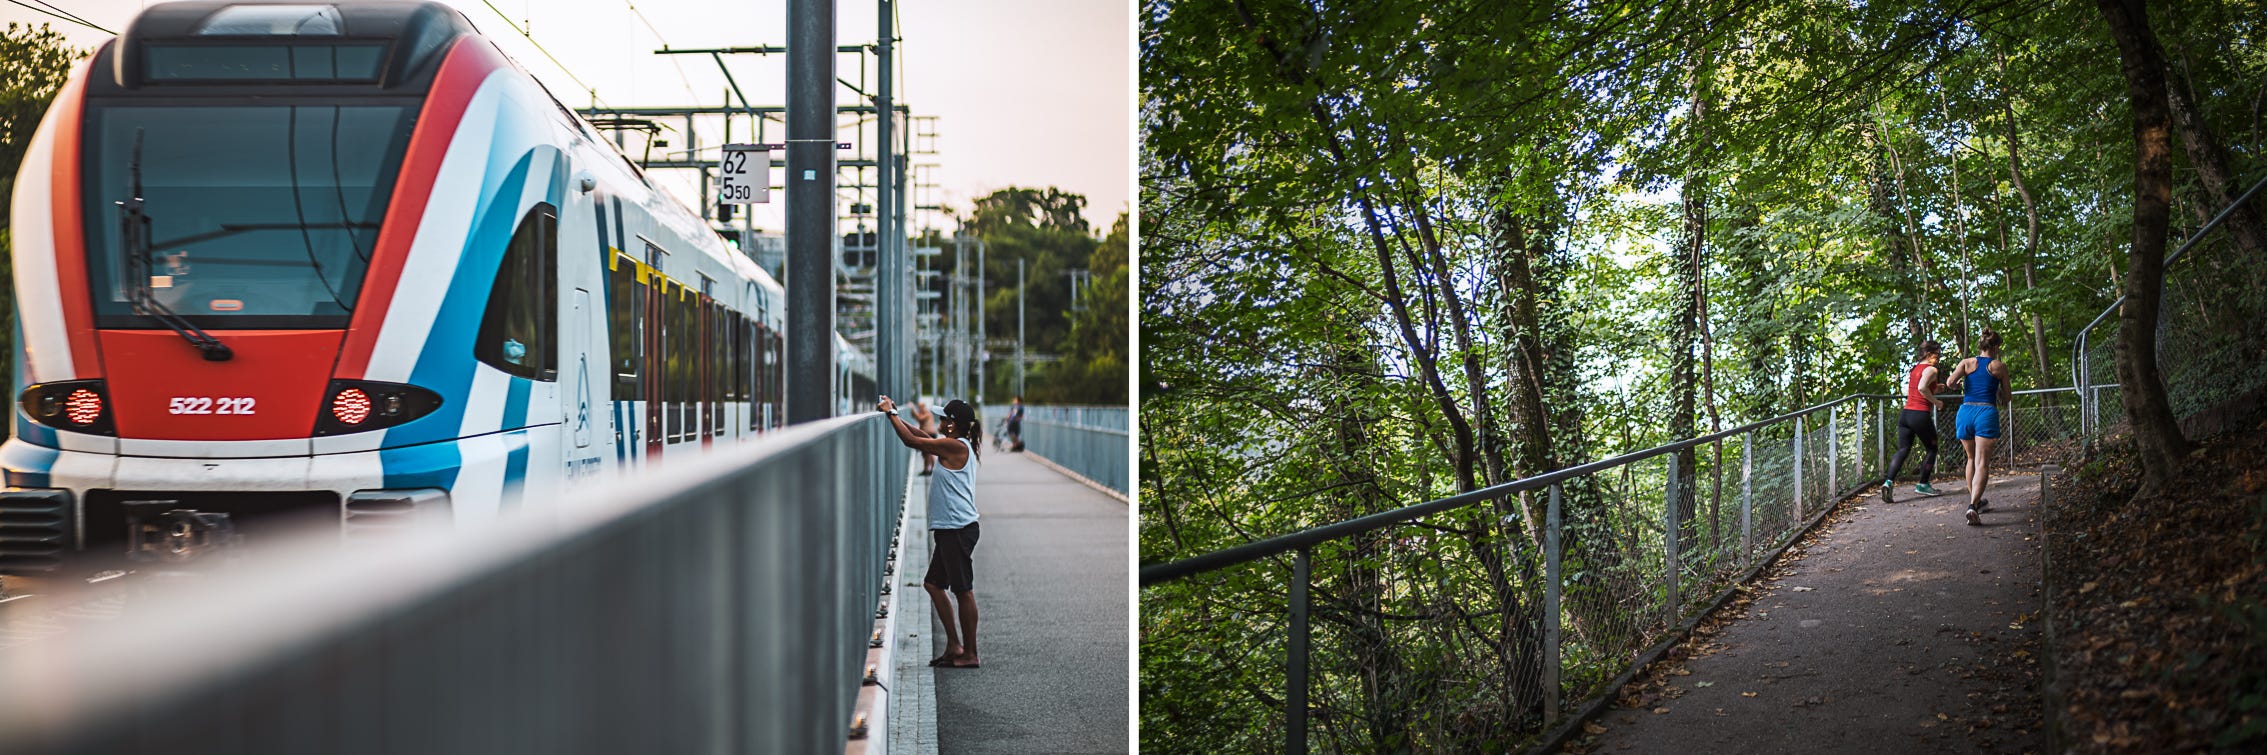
(706, 312)
(656, 303)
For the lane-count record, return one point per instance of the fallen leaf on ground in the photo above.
(1747, 694)
(1593, 728)
(1660, 710)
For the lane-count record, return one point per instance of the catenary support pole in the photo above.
(983, 345)
(890, 296)
(1019, 327)
(810, 210)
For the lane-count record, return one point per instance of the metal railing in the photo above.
(1467, 623)
(2209, 343)
(1088, 440)
(722, 605)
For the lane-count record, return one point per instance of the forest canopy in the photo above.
(1393, 251)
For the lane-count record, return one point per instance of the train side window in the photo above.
(521, 325)
(730, 342)
(625, 316)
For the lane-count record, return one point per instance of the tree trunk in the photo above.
(1960, 239)
(2147, 408)
(2030, 221)
(1900, 250)
(2211, 164)
(1684, 317)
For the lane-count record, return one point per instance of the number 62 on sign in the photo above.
(744, 175)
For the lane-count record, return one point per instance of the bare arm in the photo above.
(1959, 373)
(2006, 392)
(1928, 385)
(915, 439)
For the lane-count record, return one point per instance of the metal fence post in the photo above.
(1798, 459)
(1747, 497)
(1295, 698)
(1833, 452)
(1880, 440)
(1670, 559)
(1551, 591)
(2011, 435)
(2086, 396)
(1858, 441)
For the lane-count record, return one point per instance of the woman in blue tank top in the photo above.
(1977, 425)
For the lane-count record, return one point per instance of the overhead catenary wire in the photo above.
(530, 37)
(74, 16)
(681, 77)
(63, 16)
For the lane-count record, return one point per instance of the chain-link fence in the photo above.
(2210, 345)
(1475, 623)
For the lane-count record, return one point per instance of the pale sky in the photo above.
(1027, 92)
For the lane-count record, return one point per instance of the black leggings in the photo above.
(1915, 424)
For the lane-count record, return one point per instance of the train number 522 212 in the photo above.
(211, 405)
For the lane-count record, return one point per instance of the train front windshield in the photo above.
(261, 214)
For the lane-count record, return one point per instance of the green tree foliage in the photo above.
(1075, 355)
(1397, 250)
(33, 64)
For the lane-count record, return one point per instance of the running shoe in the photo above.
(1973, 519)
(1925, 489)
(1886, 497)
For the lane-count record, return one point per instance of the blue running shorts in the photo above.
(1976, 422)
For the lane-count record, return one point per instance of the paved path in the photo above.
(1051, 581)
(1917, 633)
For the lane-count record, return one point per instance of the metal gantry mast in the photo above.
(810, 210)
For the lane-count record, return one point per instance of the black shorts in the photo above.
(952, 562)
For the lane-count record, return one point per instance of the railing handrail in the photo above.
(108, 687)
(2078, 345)
(1154, 574)
(1079, 425)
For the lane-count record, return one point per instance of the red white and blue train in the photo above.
(348, 263)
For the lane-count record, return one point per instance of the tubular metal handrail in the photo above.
(1825, 449)
(2080, 376)
(1248, 552)
(721, 605)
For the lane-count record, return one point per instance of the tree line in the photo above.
(1397, 250)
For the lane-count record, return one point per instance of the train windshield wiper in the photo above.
(134, 238)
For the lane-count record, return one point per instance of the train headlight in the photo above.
(75, 405)
(351, 407)
(354, 406)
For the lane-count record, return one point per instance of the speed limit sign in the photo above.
(744, 175)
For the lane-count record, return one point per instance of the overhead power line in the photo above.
(539, 48)
(64, 16)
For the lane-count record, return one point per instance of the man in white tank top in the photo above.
(952, 524)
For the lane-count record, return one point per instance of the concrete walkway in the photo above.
(1051, 581)
(1898, 628)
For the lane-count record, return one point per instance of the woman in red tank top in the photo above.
(1917, 421)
